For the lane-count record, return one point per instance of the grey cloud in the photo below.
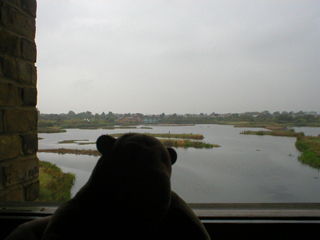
(239, 54)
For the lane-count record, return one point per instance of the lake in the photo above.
(245, 169)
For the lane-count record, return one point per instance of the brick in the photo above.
(9, 94)
(9, 43)
(1, 124)
(29, 96)
(14, 2)
(1, 66)
(32, 191)
(10, 146)
(10, 68)
(19, 121)
(26, 72)
(30, 143)
(1, 180)
(18, 22)
(28, 50)
(14, 195)
(30, 6)
(34, 76)
(21, 171)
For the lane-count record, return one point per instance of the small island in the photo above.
(310, 148)
(177, 143)
(51, 130)
(169, 135)
(168, 139)
(72, 151)
(277, 133)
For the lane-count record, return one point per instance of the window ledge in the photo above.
(256, 211)
(222, 221)
(232, 211)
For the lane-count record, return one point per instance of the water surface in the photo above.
(246, 168)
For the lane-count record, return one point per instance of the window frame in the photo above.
(222, 220)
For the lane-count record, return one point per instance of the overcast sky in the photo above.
(186, 56)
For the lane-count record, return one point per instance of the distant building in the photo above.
(132, 119)
(214, 115)
(147, 120)
(136, 118)
(123, 120)
(312, 113)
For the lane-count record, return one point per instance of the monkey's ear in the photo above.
(173, 155)
(105, 143)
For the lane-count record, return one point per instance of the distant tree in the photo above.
(264, 116)
(97, 117)
(55, 117)
(284, 117)
(111, 117)
(234, 115)
(162, 115)
(111, 114)
(300, 114)
(89, 114)
(242, 117)
(71, 113)
(266, 113)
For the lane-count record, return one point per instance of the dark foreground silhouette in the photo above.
(128, 196)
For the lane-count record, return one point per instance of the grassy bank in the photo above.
(169, 135)
(277, 133)
(269, 127)
(72, 151)
(80, 142)
(51, 130)
(120, 127)
(167, 142)
(55, 185)
(187, 144)
(310, 148)
(162, 136)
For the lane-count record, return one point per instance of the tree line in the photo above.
(298, 118)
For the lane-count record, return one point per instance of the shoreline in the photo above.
(266, 125)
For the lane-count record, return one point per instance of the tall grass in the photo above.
(186, 144)
(278, 133)
(50, 130)
(55, 185)
(310, 148)
(169, 135)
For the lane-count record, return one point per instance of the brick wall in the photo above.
(19, 165)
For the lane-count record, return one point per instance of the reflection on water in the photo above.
(246, 168)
